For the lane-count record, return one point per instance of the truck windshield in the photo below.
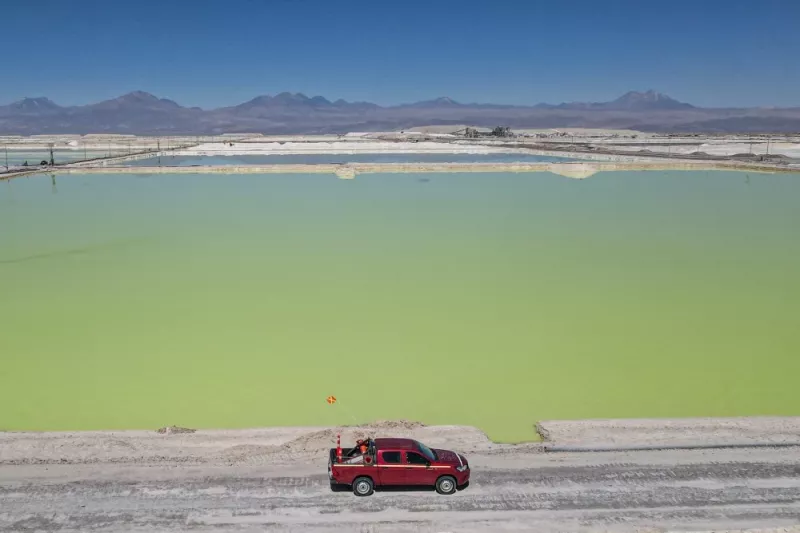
(427, 452)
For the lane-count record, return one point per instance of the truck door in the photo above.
(390, 468)
(417, 470)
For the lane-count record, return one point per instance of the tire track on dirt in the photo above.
(601, 495)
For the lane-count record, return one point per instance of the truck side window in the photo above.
(391, 457)
(415, 459)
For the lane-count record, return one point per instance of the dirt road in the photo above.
(512, 490)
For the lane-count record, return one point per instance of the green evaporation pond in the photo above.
(493, 300)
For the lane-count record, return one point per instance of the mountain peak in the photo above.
(649, 95)
(285, 100)
(138, 96)
(137, 100)
(258, 100)
(442, 101)
(320, 100)
(649, 99)
(290, 97)
(38, 103)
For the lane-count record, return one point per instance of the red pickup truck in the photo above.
(396, 462)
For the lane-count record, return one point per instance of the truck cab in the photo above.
(396, 462)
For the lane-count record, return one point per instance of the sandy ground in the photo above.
(789, 149)
(274, 479)
(585, 132)
(445, 129)
(578, 170)
(339, 147)
(254, 446)
(626, 140)
(373, 146)
(351, 170)
(109, 142)
(671, 432)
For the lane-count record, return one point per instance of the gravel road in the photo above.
(512, 490)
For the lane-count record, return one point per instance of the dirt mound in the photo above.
(170, 430)
(736, 431)
(394, 425)
(543, 432)
(249, 453)
(326, 438)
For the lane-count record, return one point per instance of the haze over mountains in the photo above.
(143, 113)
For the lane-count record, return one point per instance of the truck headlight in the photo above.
(462, 468)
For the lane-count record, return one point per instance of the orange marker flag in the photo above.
(331, 400)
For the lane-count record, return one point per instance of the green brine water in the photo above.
(494, 300)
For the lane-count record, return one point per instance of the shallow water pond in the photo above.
(34, 157)
(487, 299)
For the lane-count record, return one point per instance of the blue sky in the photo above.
(211, 53)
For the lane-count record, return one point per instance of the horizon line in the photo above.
(408, 103)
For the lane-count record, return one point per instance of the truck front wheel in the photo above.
(363, 486)
(446, 485)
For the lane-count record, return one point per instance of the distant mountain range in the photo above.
(142, 113)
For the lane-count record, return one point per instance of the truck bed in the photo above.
(332, 454)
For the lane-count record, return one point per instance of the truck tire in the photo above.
(446, 485)
(363, 486)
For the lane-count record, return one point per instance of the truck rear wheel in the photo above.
(446, 485)
(363, 486)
